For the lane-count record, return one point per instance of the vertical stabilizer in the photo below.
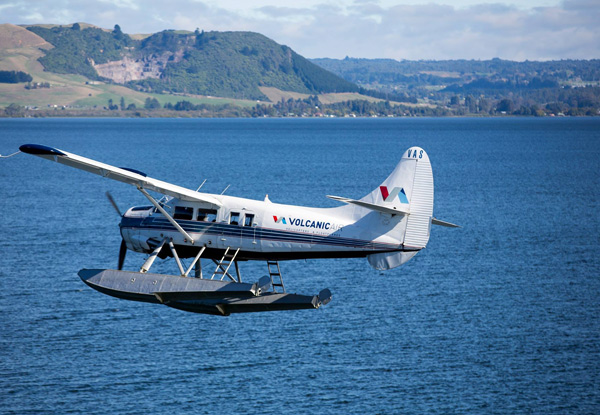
(408, 189)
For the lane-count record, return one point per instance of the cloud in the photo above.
(361, 28)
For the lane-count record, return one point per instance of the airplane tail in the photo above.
(409, 192)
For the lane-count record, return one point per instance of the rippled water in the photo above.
(500, 316)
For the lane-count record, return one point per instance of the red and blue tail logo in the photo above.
(390, 196)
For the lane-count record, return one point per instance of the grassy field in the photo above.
(275, 95)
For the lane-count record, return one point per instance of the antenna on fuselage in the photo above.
(199, 187)
(224, 190)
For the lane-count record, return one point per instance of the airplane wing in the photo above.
(121, 174)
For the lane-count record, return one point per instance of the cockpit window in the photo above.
(248, 219)
(140, 208)
(234, 218)
(207, 215)
(184, 213)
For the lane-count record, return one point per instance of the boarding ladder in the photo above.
(224, 264)
(275, 274)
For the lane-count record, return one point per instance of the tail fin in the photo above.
(409, 189)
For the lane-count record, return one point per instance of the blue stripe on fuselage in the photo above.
(221, 229)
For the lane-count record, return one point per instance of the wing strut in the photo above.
(169, 217)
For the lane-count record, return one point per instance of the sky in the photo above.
(400, 29)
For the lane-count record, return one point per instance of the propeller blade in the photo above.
(122, 253)
(113, 203)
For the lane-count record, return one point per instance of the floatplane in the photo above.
(388, 227)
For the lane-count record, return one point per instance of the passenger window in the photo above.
(234, 219)
(248, 219)
(184, 213)
(207, 215)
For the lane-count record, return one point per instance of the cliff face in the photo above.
(134, 68)
(131, 69)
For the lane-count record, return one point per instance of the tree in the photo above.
(184, 106)
(484, 105)
(118, 33)
(13, 77)
(14, 110)
(471, 104)
(506, 105)
(151, 104)
(122, 104)
(76, 26)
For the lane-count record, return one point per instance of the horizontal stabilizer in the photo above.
(435, 221)
(371, 206)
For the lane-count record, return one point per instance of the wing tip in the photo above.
(40, 150)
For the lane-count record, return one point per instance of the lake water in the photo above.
(500, 316)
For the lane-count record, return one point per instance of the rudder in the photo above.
(418, 226)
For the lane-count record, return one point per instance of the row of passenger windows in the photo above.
(234, 219)
(203, 215)
(210, 215)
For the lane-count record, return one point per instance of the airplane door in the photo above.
(231, 230)
(249, 225)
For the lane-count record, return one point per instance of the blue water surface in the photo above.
(500, 316)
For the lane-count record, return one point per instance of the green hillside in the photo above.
(73, 48)
(224, 64)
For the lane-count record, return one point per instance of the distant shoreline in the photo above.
(196, 115)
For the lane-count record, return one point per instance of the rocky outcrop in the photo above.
(130, 69)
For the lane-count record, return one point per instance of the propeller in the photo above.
(123, 247)
(113, 203)
(122, 253)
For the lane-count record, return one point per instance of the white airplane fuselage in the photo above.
(264, 230)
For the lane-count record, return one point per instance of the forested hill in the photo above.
(224, 64)
(481, 86)
(444, 72)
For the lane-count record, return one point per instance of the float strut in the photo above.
(174, 252)
(166, 215)
(152, 257)
(194, 262)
